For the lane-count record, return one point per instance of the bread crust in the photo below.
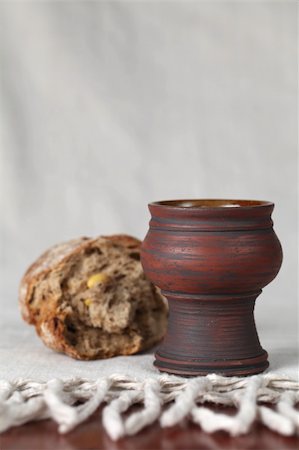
(51, 323)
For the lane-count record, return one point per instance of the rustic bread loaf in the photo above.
(89, 298)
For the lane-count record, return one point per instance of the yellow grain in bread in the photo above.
(97, 278)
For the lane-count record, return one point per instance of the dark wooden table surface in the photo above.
(90, 436)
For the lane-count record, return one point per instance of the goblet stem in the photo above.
(211, 333)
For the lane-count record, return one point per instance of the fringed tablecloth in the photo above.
(37, 383)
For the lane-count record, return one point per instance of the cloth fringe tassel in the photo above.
(269, 399)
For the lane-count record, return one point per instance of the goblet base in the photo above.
(238, 367)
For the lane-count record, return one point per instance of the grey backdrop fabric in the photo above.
(106, 106)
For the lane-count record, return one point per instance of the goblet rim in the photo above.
(211, 203)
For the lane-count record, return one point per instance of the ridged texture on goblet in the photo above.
(211, 264)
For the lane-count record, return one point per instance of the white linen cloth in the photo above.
(37, 383)
(23, 355)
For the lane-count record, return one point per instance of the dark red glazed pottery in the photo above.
(211, 259)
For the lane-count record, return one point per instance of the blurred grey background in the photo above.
(105, 106)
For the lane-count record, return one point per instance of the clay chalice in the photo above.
(211, 259)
